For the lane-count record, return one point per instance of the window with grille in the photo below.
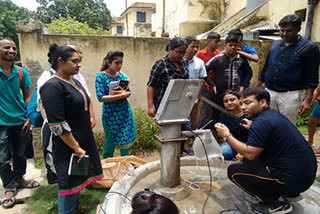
(119, 29)
(141, 16)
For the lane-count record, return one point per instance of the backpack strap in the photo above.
(20, 74)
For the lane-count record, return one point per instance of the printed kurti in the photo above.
(117, 115)
(67, 110)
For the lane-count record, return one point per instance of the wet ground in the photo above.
(228, 197)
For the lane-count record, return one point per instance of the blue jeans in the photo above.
(68, 204)
(12, 147)
(228, 152)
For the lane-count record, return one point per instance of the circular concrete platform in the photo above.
(219, 199)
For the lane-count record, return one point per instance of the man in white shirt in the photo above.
(197, 70)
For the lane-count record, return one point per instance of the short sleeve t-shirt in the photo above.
(13, 107)
(234, 127)
(249, 49)
(286, 152)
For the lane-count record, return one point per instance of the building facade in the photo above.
(135, 21)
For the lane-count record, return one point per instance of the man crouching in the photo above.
(279, 163)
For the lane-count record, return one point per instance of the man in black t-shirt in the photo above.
(226, 68)
(278, 160)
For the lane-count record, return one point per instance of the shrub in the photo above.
(100, 140)
(303, 119)
(70, 25)
(147, 130)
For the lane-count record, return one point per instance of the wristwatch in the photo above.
(225, 138)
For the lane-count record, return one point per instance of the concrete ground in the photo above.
(229, 196)
(23, 194)
(218, 200)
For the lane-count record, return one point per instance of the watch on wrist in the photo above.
(225, 138)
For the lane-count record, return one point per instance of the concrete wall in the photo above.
(180, 14)
(270, 13)
(232, 6)
(278, 9)
(254, 19)
(140, 55)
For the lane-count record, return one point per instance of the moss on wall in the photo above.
(253, 20)
(212, 9)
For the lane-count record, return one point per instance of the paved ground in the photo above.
(23, 194)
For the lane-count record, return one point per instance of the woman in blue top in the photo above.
(231, 103)
(117, 118)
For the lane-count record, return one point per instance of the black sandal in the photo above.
(11, 199)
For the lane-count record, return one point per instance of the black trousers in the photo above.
(254, 178)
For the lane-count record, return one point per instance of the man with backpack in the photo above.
(14, 124)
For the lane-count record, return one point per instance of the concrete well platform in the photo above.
(219, 199)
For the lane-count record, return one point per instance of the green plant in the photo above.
(303, 119)
(44, 200)
(70, 25)
(318, 178)
(147, 130)
(39, 163)
(303, 129)
(100, 140)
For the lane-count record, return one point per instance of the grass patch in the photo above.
(39, 163)
(45, 199)
(318, 178)
(303, 129)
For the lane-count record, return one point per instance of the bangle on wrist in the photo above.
(225, 138)
(75, 146)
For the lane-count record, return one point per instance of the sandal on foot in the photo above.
(30, 185)
(11, 199)
(189, 152)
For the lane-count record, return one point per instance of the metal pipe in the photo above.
(311, 6)
(170, 156)
(164, 15)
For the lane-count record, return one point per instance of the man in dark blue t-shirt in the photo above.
(280, 162)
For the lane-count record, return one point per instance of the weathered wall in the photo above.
(142, 29)
(255, 19)
(278, 9)
(140, 55)
(179, 15)
(194, 28)
(232, 6)
(270, 13)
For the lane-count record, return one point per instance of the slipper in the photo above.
(189, 152)
(31, 184)
(12, 199)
